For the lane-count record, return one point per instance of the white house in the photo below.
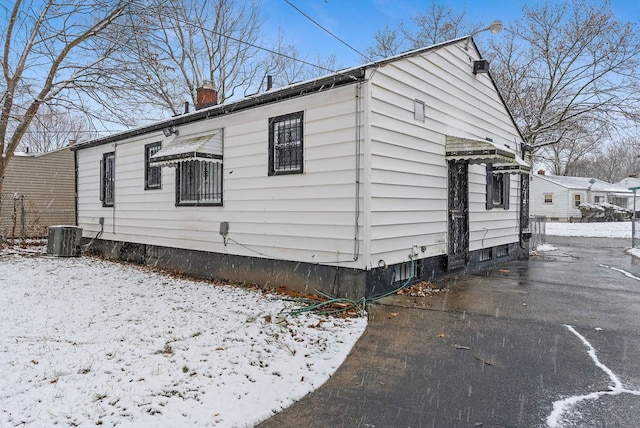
(558, 197)
(631, 182)
(351, 183)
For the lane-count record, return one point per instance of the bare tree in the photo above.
(577, 142)
(53, 129)
(388, 42)
(612, 162)
(179, 44)
(567, 71)
(438, 24)
(287, 65)
(52, 54)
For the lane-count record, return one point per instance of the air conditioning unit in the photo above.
(64, 241)
(481, 66)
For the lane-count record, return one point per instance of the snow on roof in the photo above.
(628, 182)
(584, 183)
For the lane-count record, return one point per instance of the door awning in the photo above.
(478, 151)
(203, 147)
(518, 166)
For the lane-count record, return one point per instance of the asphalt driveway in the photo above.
(498, 350)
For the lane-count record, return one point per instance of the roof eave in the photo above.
(317, 85)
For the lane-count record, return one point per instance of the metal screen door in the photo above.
(524, 203)
(458, 214)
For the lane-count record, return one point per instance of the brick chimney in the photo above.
(206, 95)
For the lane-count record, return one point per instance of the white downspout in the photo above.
(358, 165)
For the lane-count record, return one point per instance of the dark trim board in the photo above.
(297, 276)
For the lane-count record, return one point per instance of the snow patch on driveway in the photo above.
(622, 271)
(560, 407)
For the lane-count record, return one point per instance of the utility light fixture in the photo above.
(171, 130)
(495, 27)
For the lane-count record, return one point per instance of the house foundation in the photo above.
(302, 277)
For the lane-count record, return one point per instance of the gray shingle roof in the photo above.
(584, 183)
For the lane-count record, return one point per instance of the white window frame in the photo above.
(577, 200)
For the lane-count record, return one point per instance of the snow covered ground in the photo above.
(619, 229)
(85, 342)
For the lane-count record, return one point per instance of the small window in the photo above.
(497, 195)
(577, 200)
(107, 179)
(502, 251)
(598, 199)
(619, 201)
(152, 174)
(419, 110)
(485, 254)
(497, 189)
(548, 198)
(199, 183)
(285, 144)
(406, 272)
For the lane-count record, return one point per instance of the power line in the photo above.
(253, 45)
(327, 31)
(273, 52)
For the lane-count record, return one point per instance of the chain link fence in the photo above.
(538, 225)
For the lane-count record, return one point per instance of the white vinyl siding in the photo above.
(408, 168)
(562, 207)
(311, 216)
(306, 217)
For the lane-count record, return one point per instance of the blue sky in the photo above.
(356, 21)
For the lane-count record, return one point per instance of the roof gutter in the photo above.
(318, 85)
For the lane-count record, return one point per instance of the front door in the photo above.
(458, 214)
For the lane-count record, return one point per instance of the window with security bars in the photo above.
(498, 190)
(502, 251)
(285, 144)
(199, 183)
(485, 254)
(107, 179)
(406, 271)
(152, 174)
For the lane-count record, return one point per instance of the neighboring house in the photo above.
(558, 197)
(628, 183)
(350, 183)
(38, 192)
